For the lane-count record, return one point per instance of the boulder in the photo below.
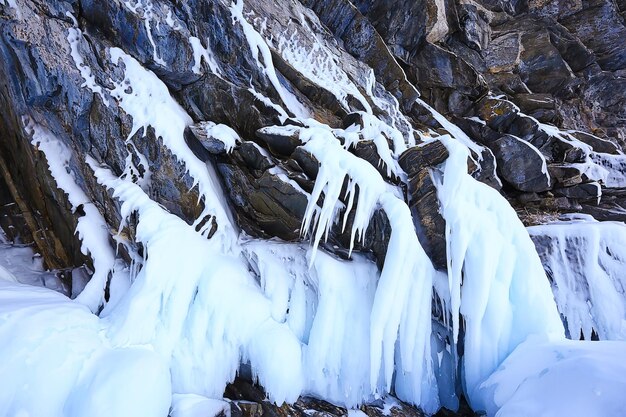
(583, 192)
(278, 142)
(521, 165)
(427, 219)
(265, 203)
(429, 154)
(422, 198)
(367, 150)
(497, 114)
(565, 175)
(503, 53)
(598, 144)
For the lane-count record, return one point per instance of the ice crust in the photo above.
(55, 362)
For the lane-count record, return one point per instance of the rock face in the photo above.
(423, 200)
(536, 89)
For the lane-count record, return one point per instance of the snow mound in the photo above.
(546, 378)
(56, 362)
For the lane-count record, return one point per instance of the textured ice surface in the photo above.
(92, 229)
(586, 263)
(497, 282)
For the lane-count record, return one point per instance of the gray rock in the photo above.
(565, 175)
(520, 165)
(583, 192)
(279, 143)
(429, 154)
(503, 53)
(598, 144)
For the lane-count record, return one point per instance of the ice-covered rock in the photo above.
(585, 262)
(183, 140)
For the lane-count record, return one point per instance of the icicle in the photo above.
(401, 311)
(496, 279)
(182, 305)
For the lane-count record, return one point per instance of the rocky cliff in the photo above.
(172, 96)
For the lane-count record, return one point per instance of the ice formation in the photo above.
(74, 37)
(258, 46)
(92, 229)
(202, 324)
(585, 263)
(319, 65)
(146, 103)
(61, 366)
(201, 53)
(18, 263)
(145, 9)
(495, 276)
(602, 167)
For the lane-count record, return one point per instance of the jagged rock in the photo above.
(525, 198)
(427, 23)
(254, 158)
(249, 400)
(555, 8)
(363, 41)
(550, 204)
(422, 196)
(574, 154)
(529, 103)
(565, 175)
(602, 30)
(527, 129)
(582, 192)
(520, 165)
(279, 143)
(503, 53)
(430, 154)
(429, 224)
(474, 21)
(309, 164)
(598, 144)
(485, 171)
(542, 68)
(367, 150)
(201, 143)
(612, 207)
(498, 114)
(443, 74)
(266, 205)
